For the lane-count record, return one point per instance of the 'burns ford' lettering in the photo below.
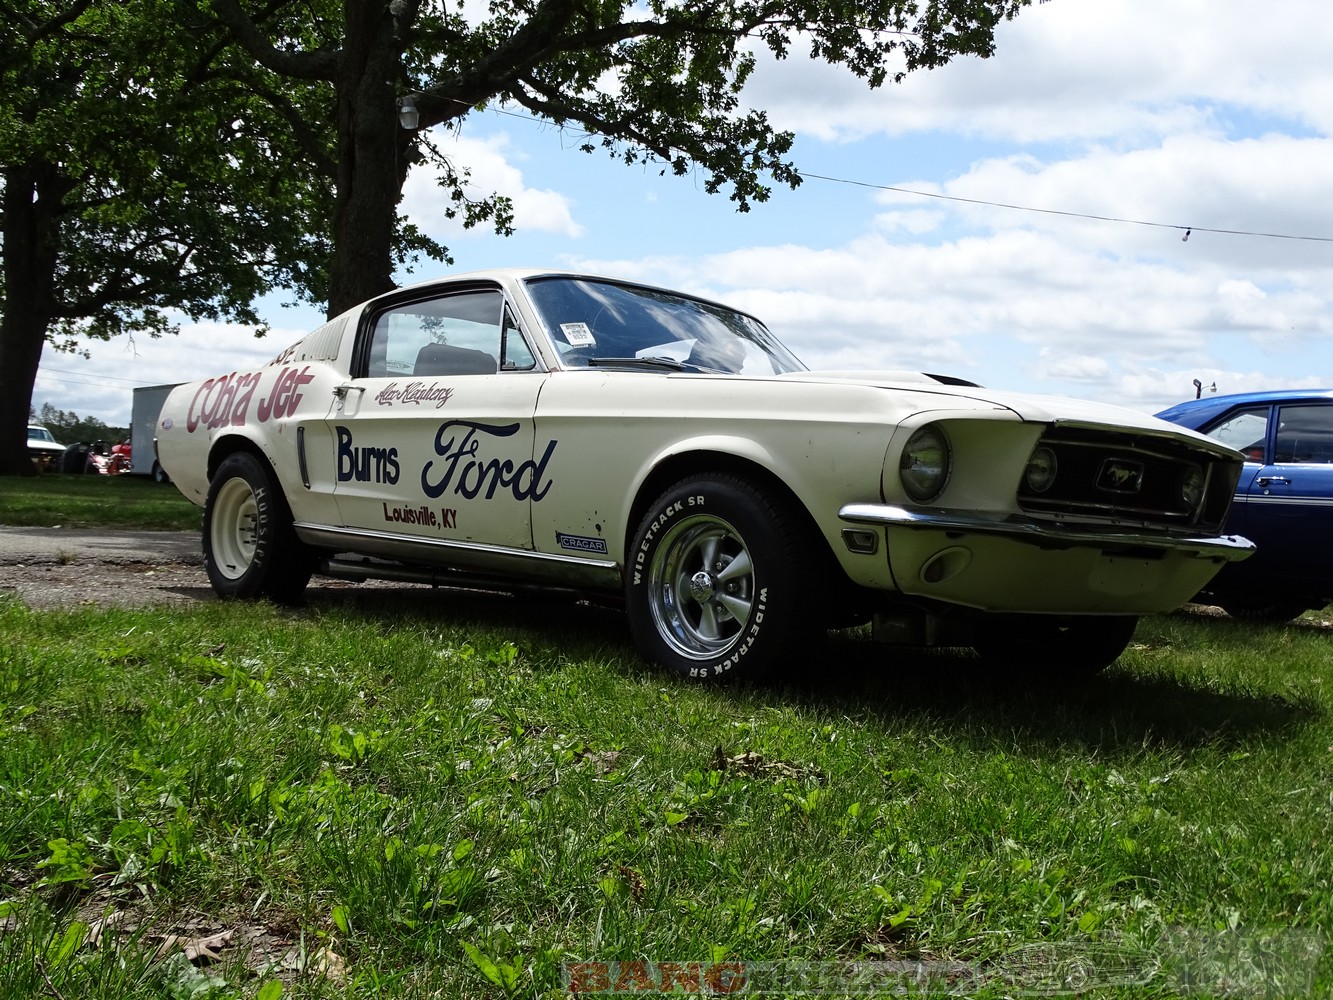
(365, 465)
(466, 472)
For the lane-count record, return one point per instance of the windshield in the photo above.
(39, 434)
(592, 322)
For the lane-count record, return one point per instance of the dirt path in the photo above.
(59, 567)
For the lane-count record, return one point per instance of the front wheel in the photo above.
(1053, 646)
(716, 581)
(250, 546)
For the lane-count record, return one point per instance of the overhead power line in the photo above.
(97, 376)
(1071, 215)
(1186, 229)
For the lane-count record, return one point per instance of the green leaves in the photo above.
(505, 975)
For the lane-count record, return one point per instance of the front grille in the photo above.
(1134, 477)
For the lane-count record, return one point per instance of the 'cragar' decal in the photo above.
(459, 444)
(415, 393)
(580, 543)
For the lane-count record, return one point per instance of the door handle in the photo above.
(1273, 481)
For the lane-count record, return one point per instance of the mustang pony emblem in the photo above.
(1119, 476)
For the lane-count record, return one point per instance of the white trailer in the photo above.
(148, 400)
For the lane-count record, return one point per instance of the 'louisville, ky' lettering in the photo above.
(465, 470)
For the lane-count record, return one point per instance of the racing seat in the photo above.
(445, 359)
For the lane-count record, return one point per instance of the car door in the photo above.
(1246, 430)
(1284, 500)
(1290, 498)
(434, 434)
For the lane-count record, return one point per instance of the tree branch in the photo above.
(321, 64)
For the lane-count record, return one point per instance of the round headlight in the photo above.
(1041, 470)
(924, 465)
(1191, 487)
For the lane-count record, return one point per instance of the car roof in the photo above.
(520, 274)
(1199, 410)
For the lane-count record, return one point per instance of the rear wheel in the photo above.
(716, 585)
(250, 546)
(1070, 646)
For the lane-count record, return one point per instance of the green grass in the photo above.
(55, 500)
(424, 794)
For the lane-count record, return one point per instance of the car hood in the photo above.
(1029, 407)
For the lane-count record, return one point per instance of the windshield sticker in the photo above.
(467, 474)
(578, 335)
(415, 393)
(580, 543)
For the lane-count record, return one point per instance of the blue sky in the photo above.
(1203, 114)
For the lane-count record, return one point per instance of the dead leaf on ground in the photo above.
(196, 949)
(754, 764)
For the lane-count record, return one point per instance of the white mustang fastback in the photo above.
(530, 428)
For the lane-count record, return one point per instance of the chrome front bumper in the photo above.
(1045, 534)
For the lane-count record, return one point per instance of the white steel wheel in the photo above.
(233, 531)
(250, 545)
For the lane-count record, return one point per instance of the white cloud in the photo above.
(490, 163)
(1072, 69)
(1275, 186)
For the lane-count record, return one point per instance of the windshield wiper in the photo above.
(653, 364)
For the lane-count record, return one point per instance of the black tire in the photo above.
(160, 474)
(250, 547)
(1052, 646)
(1273, 612)
(717, 582)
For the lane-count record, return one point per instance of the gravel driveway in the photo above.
(63, 567)
(56, 567)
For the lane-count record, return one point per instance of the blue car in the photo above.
(1284, 500)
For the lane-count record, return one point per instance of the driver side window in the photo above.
(468, 333)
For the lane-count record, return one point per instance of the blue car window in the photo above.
(1245, 430)
(1305, 435)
